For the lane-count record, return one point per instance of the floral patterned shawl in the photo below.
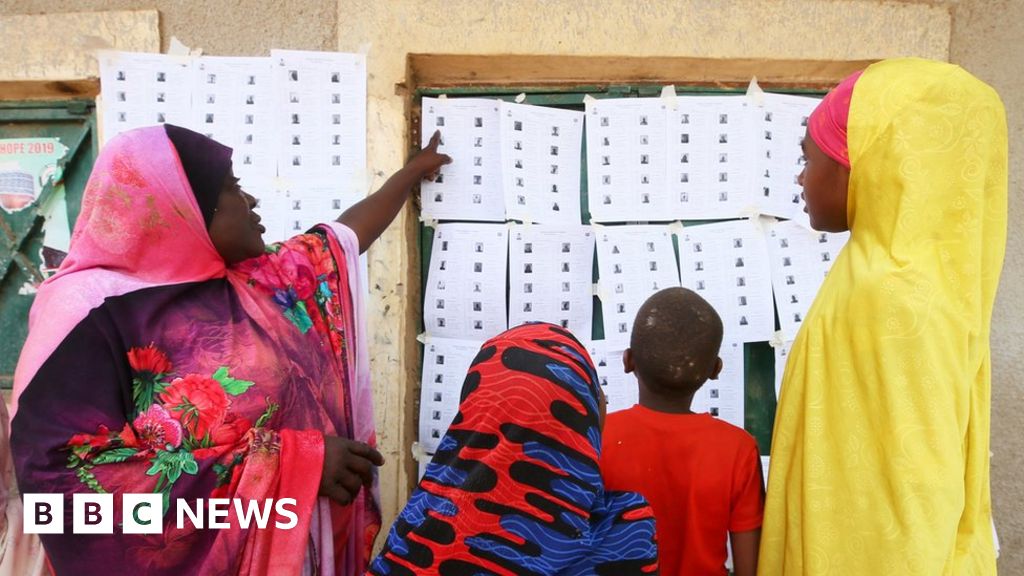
(151, 367)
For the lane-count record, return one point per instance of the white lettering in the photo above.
(219, 508)
(195, 516)
(281, 508)
(251, 510)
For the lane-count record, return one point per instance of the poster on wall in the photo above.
(26, 166)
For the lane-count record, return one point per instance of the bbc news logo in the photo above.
(143, 513)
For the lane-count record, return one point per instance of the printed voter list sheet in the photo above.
(445, 363)
(626, 159)
(781, 350)
(800, 260)
(465, 295)
(540, 157)
(320, 112)
(634, 262)
(725, 397)
(470, 188)
(271, 205)
(727, 264)
(306, 205)
(621, 389)
(144, 89)
(782, 122)
(232, 102)
(550, 276)
(711, 143)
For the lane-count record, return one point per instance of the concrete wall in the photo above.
(988, 40)
(220, 27)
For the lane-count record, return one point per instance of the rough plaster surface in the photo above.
(988, 40)
(221, 27)
(60, 46)
(690, 28)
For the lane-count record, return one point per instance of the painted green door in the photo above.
(22, 231)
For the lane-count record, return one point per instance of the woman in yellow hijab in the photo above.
(880, 456)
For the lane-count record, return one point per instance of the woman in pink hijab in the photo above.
(174, 353)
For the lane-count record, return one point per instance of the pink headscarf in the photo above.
(140, 227)
(827, 124)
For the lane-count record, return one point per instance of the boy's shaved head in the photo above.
(675, 341)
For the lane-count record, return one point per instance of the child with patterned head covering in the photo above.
(515, 487)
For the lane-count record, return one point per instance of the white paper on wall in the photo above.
(551, 276)
(321, 117)
(307, 205)
(626, 160)
(233, 103)
(727, 264)
(711, 144)
(272, 206)
(465, 295)
(540, 159)
(445, 364)
(470, 188)
(782, 122)
(142, 89)
(800, 260)
(781, 352)
(725, 397)
(621, 389)
(634, 262)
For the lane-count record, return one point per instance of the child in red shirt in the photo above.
(702, 476)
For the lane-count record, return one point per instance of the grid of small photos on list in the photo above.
(510, 206)
(295, 120)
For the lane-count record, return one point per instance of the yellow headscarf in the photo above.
(880, 455)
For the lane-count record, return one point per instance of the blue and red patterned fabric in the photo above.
(515, 486)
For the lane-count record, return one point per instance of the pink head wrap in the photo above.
(827, 124)
(140, 226)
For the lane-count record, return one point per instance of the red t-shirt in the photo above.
(702, 477)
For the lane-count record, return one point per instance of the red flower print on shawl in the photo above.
(200, 403)
(149, 360)
(157, 429)
(99, 441)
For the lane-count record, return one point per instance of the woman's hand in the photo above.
(369, 217)
(427, 163)
(348, 466)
